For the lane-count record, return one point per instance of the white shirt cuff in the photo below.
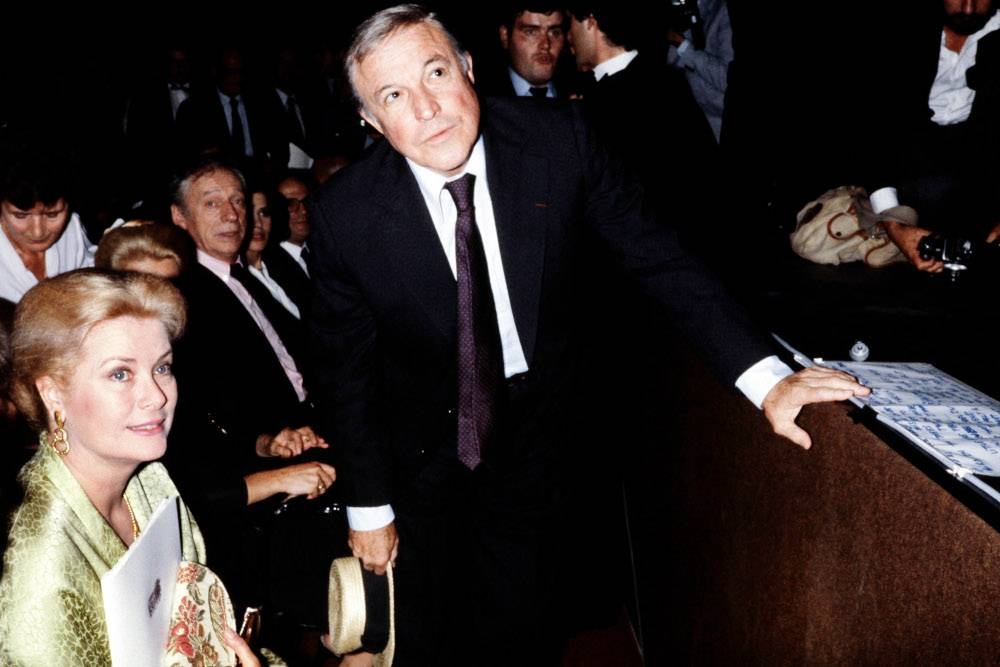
(759, 379)
(370, 518)
(883, 198)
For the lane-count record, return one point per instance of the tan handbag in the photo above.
(840, 226)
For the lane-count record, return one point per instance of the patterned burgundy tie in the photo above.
(480, 358)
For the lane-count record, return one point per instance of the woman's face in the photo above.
(261, 223)
(119, 401)
(34, 230)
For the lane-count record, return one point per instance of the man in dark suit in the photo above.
(150, 123)
(532, 37)
(244, 410)
(945, 130)
(231, 117)
(478, 534)
(287, 260)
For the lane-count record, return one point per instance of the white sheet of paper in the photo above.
(137, 591)
(931, 407)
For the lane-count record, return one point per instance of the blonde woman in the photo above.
(92, 373)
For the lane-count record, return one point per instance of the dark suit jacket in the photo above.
(287, 272)
(384, 313)
(232, 388)
(151, 138)
(668, 144)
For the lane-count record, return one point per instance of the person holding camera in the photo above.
(947, 150)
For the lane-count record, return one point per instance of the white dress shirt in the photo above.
(523, 89)
(71, 251)
(225, 100)
(614, 65)
(276, 290)
(951, 98)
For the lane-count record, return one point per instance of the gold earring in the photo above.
(59, 441)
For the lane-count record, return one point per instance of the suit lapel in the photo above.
(519, 188)
(414, 246)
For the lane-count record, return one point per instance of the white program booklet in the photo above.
(137, 591)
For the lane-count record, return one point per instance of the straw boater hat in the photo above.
(362, 610)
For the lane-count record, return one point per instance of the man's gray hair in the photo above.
(370, 34)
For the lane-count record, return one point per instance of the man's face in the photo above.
(214, 214)
(967, 16)
(534, 45)
(296, 192)
(415, 91)
(230, 72)
(583, 36)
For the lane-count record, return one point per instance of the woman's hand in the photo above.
(301, 479)
(289, 442)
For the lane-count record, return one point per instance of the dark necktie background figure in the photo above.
(480, 550)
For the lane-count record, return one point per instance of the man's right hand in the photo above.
(907, 239)
(376, 548)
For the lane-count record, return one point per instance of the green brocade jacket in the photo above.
(51, 608)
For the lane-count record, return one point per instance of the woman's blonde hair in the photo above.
(54, 317)
(137, 240)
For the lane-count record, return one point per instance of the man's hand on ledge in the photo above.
(811, 385)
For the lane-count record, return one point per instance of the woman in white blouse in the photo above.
(39, 235)
(260, 232)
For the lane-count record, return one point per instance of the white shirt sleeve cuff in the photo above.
(759, 379)
(883, 198)
(370, 518)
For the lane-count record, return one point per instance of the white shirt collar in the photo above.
(522, 88)
(215, 265)
(432, 183)
(614, 65)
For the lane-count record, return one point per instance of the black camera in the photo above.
(954, 251)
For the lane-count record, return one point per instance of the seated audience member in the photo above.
(290, 267)
(947, 140)
(245, 408)
(231, 116)
(41, 236)
(144, 247)
(262, 219)
(92, 373)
